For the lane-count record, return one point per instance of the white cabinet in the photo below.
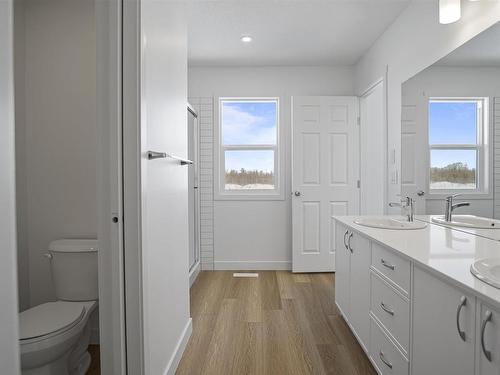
(359, 247)
(443, 327)
(352, 280)
(342, 269)
(488, 340)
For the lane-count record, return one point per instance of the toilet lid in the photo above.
(49, 318)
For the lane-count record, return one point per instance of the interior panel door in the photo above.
(325, 173)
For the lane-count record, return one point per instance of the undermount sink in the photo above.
(468, 221)
(487, 270)
(389, 223)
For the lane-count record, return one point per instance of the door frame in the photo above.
(118, 111)
(380, 81)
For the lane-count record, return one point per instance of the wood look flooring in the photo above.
(95, 365)
(278, 323)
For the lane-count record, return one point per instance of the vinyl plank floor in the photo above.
(278, 324)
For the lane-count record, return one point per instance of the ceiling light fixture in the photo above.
(246, 38)
(449, 11)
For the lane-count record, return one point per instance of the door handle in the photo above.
(349, 242)
(386, 309)
(345, 240)
(152, 155)
(463, 302)
(297, 193)
(487, 318)
(420, 193)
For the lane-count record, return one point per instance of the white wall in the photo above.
(413, 42)
(57, 147)
(258, 234)
(9, 326)
(445, 81)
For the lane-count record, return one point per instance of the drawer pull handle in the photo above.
(388, 265)
(463, 302)
(349, 242)
(383, 359)
(345, 240)
(487, 318)
(386, 309)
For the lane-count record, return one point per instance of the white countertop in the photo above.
(493, 234)
(440, 249)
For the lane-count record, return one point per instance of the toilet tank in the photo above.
(74, 269)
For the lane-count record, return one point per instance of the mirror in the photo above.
(450, 135)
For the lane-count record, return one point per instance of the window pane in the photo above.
(452, 122)
(249, 122)
(249, 170)
(453, 169)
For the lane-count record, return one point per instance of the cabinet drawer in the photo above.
(391, 309)
(388, 359)
(392, 266)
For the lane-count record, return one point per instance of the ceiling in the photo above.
(483, 50)
(286, 32)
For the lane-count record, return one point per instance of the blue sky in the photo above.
(452, 123)
(249, 123)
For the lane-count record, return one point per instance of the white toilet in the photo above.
(54, 336)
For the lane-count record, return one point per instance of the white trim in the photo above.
(111, 331)
(253, 265)
(483, 166)
(179, 348)
(193, 274)
(131, 91)
(279, 169)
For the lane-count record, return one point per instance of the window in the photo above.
(248, 149)
(457, 143)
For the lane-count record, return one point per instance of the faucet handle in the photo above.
(451, 197)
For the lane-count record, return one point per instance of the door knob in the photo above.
(420, 193)
(297, 193)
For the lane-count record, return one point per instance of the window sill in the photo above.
(249, 197)
(462, 196)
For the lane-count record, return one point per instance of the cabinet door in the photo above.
(438, 347)
(360, 286)
(342, 270)
(488, 341)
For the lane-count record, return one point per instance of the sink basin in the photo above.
(487, 270)
(389, 223)
(468, 221)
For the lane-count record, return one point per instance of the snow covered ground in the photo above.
(444, 185)
(249, 187)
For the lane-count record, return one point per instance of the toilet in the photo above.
(54, 336)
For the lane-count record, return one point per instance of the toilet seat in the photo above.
(49, 319)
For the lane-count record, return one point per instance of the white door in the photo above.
(373, 150)
(414, 153)
(325, 174)
(155, 189)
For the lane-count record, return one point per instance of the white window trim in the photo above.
(483, 167)
(247, 195)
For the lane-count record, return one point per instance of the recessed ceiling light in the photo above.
(449, 11)
(246, 38)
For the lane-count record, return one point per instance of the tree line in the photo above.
(456, 172)
(247, 177)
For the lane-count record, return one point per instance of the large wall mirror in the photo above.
(450, 130)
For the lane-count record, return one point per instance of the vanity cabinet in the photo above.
(443, 327)
(488, 340)
(352, 280)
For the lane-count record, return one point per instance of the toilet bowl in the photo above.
(54, 336)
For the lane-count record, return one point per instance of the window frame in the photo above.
(481, 147)
(220, 148)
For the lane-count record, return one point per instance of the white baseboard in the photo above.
(179, 348)
(193, 274)
(253, 265)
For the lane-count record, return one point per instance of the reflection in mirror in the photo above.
(450, 116)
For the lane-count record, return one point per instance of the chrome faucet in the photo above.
(450, 207)
(407, 203)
